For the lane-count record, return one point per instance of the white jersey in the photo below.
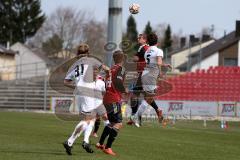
(88, 92)
(82, 70)
(88, 103)
(151, 57)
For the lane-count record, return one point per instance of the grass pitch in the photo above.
(29, 136)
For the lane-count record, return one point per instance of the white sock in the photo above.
(88, 131)
(106, 123)
(142, 108)
(77, 132)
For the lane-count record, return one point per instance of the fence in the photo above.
(23, 71)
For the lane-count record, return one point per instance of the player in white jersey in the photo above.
(153, 57)
(89, 87)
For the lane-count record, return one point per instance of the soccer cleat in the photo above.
(95, 135)
(87, 147)
(130, 122)
(67, 148)
(137, 124)
(109, 151)
(99, 146)
(136, 121)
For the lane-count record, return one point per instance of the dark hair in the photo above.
(152, 39)
(118, 56)
(143, 35)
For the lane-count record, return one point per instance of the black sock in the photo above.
(105, 133)
(96, 125)
(134, 105)
(113, 134)
(154, 105)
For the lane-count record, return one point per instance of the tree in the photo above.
(93, 30)
(148, 28)
(53, 45)
(167, 42)
(130, 37)
(131, 29)
(66, 22)
(20, 20)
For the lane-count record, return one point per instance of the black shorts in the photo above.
(114, 112)
(137, 89)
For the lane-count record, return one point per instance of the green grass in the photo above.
(31, 136)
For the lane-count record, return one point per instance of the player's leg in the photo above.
(112, 136)
(87, 133)
(134, 106)
(135, 99)
(101, 112)
(96, 127)
(81, 126)
(116, 122)
(142, 107)
(107, 128)
(158, 111)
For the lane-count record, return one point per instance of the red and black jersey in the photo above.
(140, 54)
(114, 85)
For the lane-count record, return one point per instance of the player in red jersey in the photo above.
(112, 102)
(154, 62)
(135, 99)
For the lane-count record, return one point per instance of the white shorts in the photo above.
(149, 80)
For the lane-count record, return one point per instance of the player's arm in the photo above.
(118, 81)
(159, 61)
(69, 79)
(105, 68)
(69, 83)
(135, 58)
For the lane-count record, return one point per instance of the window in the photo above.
(230, 61)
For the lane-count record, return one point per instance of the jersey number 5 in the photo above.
(148, 59)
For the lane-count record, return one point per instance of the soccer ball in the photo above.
(134, 8)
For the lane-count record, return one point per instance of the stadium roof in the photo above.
(4, 50)
(220, 44)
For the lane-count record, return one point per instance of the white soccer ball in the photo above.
(134, 8)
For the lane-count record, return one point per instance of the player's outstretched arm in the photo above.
(105, 68)
(135, 59)
(69, 83)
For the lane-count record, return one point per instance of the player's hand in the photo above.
(169, 66)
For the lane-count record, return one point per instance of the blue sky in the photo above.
(190, 16)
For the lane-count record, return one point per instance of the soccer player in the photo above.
(84, 77)
(112, 103)
(139, 58)
(153, 58)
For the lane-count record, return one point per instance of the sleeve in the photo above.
(70, 75)
(119, 79)
(97, 63)
(160, 53)
(141, 52)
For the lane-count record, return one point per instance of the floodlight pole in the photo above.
(114, 34)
